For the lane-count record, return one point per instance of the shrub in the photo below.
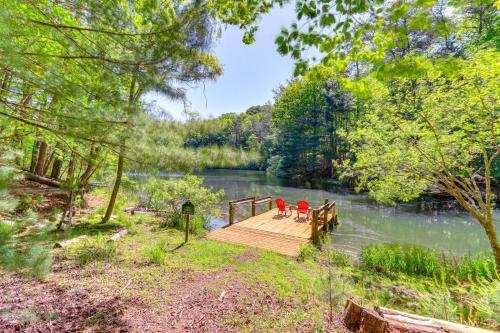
(157, 253)
(339, 258)
(169, 194)
(97, 249)
(38, 262)
(307, 252)
(5, 234)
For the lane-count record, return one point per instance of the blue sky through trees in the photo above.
(251, 72)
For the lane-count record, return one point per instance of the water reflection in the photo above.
(363, 222)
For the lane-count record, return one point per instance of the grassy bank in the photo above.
(156, 279)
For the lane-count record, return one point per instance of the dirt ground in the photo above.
(191, 306)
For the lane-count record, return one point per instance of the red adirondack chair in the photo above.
(303, 208)
(282, 208)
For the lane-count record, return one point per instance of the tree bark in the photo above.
(495, 245)
(34, 155)
(56, 169)
(42, 154)
(89, 171)
(71, 168)
(48, 163)
(116, 186)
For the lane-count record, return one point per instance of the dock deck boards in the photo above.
(269, 231)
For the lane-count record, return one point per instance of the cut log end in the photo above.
(360, 319)
(357, 318)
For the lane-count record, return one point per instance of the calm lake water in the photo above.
(362, 221)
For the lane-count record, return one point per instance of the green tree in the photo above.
(308, 115)
(439, 130)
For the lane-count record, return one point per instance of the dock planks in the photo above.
(269, 231)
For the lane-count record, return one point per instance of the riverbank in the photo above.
(150, 281)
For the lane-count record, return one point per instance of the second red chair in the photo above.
(303, 208)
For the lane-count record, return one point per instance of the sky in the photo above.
(251, 72)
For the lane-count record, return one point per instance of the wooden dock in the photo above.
(273, 231)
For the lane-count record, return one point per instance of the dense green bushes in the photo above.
(168, 195)
(420, 261)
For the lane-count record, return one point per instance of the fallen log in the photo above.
(68, 242)
(129, 210)
(118, 235)
(42, 180)
(408, 322)
(357, 318)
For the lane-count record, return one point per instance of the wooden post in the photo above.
(314, 225)
(253, 206)
(270, 203)
(231, 213)
(325, 218)
(186, 235)
(335, 217)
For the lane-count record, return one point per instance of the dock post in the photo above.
(315, 236)
(335, 217)
(231, 213)
(326, 226)
(253, 206)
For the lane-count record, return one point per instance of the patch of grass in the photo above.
(29, 316)
(96, 249)
(338, 258)
(157, 253)
(420, 261)
(127, 222)
(196, 224)
(397, 258)
(50, 315)
(480, 266)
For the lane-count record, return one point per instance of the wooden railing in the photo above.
(324, 217)
(253, 201)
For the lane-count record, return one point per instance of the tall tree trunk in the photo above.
(49, 161)
(495, 245)
(71, 168)
(89, 171)
(488, 225)
(121, 157)
(56, 169)
(42, 154)
(34, 155)
(116, 187)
